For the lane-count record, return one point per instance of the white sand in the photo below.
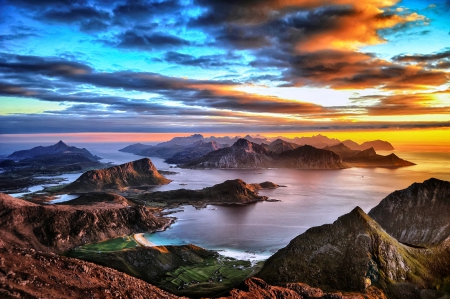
(141, 240)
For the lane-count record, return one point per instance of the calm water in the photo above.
(310, 198)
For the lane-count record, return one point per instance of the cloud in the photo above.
(141, 41)
(139, 10)
(422, 58)
(204, 61)
(349, 70)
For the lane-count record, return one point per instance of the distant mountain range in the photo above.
(58, 149)
(282, 154)
(183, 150)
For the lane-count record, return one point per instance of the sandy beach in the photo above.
(141, 240)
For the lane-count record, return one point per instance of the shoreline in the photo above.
(142, 241)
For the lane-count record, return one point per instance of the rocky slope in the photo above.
(136, 173)
(26, 273)
(369, 158)
(279, 146)
(56, 149)
(58, 228)
(418, 215)
(162, 151)
(228, 192)
(256, 288)
(242, 154)
(245, 154)
(355, 252)
(194, 151)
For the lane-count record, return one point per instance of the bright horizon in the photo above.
(433, 140)
(171, 66)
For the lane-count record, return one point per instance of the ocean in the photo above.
(256, 231)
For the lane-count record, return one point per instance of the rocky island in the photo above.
(136, 173)
(229, 192)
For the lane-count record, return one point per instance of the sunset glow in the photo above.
(214, 67)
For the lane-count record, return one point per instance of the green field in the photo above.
(110, 245)
(182, 270)
(212, 277)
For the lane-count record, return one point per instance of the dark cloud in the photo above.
(75, 14)
(141, 41)
(422, 58)
(138, 10)
(205, 61)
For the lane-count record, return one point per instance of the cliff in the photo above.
(354, 253)
(136, 173)
(419, 214)
(59, 148)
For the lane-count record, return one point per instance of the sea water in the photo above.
(310, 198)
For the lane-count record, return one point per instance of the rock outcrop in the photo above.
(228, 192)
(136, 173)
(194, 151)
(58, 228)
(309, 157)
(418, 215)
(59, 148)
(353, 253)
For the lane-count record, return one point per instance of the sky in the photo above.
(216, 66)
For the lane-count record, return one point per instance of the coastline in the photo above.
(142, 241)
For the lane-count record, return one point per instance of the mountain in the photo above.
(246, 154)
(135, 148)
(378, 145)
(136, 173)
(279, 146)
(184, 141)
(162, 151)
(318, 141)
(242, 154)
(341, 150)
(228, 192)
(309, 157)
(418, 215)
(194, 151)
(355, 252)
(369, 158)
(60, 227)
(56, 149)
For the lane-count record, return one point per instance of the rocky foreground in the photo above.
(58, 228)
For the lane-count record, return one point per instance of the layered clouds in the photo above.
(196, 65)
